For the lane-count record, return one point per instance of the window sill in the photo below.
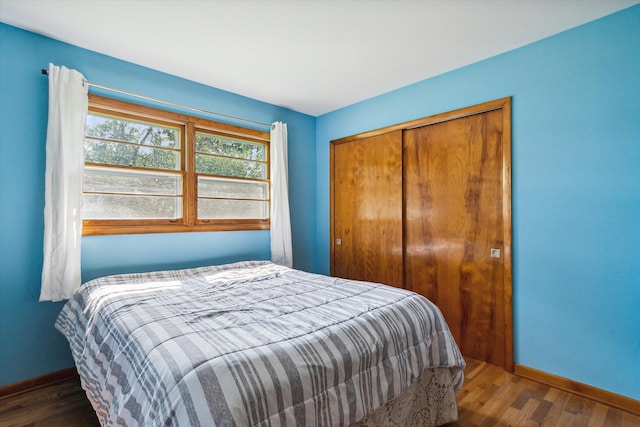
(102, 230)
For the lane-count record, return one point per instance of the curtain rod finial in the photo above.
(45, 72)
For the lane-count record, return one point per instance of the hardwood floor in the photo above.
(59, 405)
(493, 397)
(490, 397)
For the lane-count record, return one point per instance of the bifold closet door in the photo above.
(454, 231)
(367, 209)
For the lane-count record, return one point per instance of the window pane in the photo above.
(132, 131)
(144, 173)
(103, 206)
(114, 153)
(234, 189)
(102, 180)
(230, 167)
(224, 146)
(232, 209)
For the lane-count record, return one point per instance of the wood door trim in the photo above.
(332, 238)
(503, 104)
(430, 120)
(508, 233)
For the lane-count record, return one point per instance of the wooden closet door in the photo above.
(454, 218)
(366, 190)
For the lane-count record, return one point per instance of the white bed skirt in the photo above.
(430, 401)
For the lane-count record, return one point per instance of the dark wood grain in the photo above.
(367, 209)
(38, 382)
(453, 180)
(64, 404)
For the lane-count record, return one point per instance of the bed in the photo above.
(255, 343)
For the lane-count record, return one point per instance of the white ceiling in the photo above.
(312, 56)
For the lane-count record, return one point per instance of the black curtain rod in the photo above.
(161, 101)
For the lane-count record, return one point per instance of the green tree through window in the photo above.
(139, 176)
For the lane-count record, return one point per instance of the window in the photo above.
(151, 171)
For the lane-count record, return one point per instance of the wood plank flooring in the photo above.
(60, 405)
(493, 397)
(490, 397)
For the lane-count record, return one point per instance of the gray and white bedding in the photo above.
(250, 343)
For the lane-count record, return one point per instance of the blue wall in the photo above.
(29, 344)
(576, 190)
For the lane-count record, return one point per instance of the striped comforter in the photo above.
(250, 343)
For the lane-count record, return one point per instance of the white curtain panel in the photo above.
(68, 103)
(281, 252)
